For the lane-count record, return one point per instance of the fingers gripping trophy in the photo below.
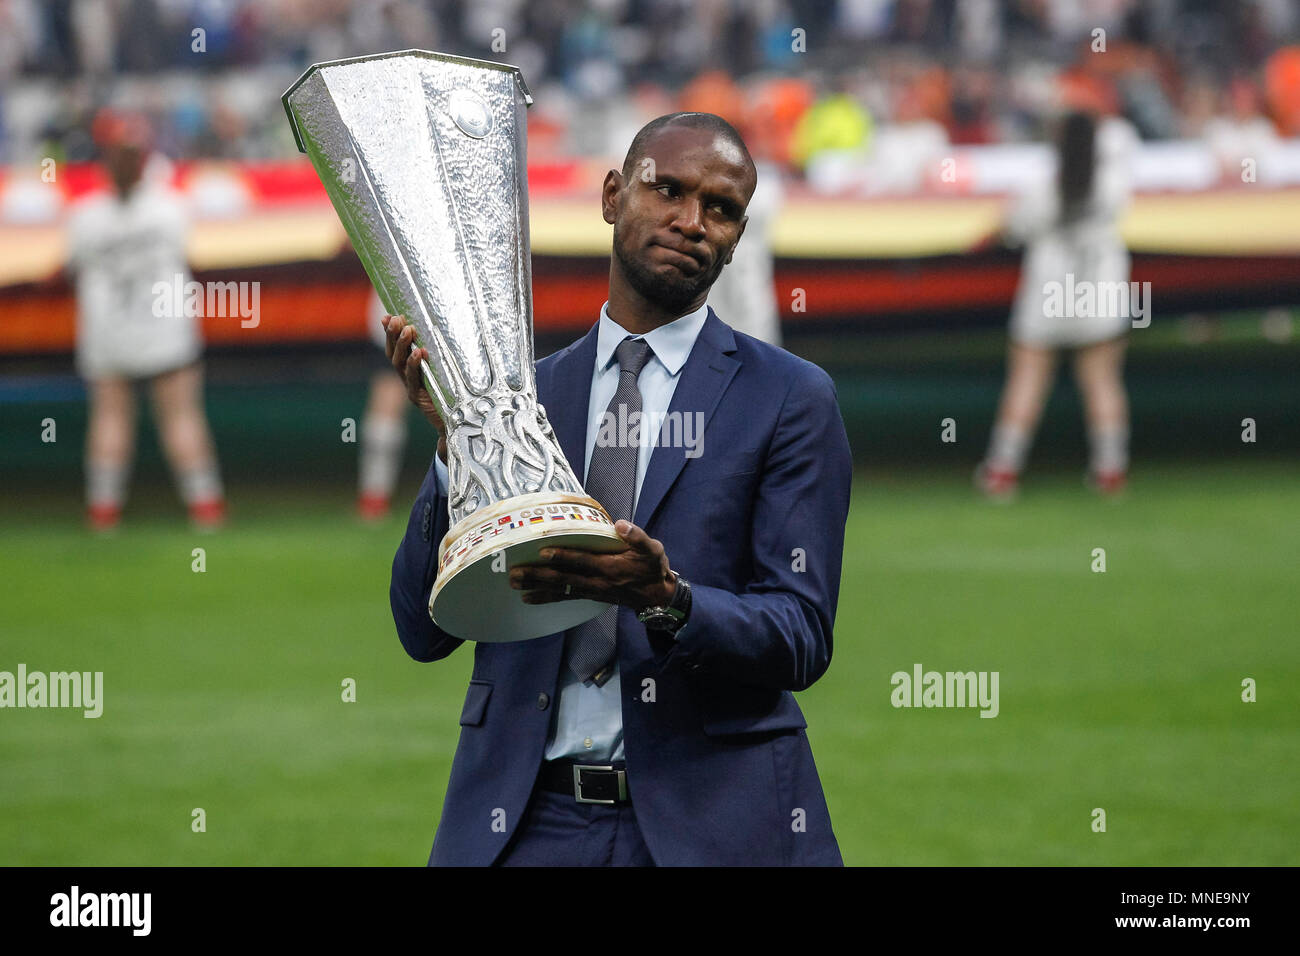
(424, 159)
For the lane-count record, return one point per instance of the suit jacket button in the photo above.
(426, 521)
(543, 701)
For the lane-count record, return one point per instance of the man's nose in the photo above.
(690, 219)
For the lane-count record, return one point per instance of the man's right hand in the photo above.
(399, 345)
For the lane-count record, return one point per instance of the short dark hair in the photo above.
(705, 121)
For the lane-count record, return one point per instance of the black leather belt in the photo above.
(586, 782)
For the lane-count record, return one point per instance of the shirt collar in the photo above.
(672, 343)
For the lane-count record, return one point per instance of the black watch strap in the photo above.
(672, 616)
(682, 598)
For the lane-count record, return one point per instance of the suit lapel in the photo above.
(708, 371)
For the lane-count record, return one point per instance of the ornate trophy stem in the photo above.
(424, 158)
(504, 447)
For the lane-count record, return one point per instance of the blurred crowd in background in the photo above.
(800, 77)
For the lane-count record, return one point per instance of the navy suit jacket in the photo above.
(718, 762)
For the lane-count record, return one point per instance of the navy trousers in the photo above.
(559, 831)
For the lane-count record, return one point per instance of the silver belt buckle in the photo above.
(577, 783)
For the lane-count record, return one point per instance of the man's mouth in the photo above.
(684, 262)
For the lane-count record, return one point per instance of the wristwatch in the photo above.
(671, 617)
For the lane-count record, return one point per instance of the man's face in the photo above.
(678, 215)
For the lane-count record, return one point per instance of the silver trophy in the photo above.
(424, 158)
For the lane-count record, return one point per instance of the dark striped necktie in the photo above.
(611, 480)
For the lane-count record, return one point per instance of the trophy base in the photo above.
(472, 597)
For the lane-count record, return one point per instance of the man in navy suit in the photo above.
(682, 745)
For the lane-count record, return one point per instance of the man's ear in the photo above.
(609, 195)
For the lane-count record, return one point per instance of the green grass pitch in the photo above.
(1118, 690)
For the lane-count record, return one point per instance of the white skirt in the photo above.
(137, 346)
(1067, 300)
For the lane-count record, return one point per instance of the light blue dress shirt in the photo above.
(587, 722)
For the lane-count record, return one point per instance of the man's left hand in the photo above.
(638, 577)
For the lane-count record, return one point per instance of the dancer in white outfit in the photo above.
(120, 246)
(744, 296)
(383, 427)
(1070, 228)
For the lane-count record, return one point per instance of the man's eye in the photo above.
(660, 189)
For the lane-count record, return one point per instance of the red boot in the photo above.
(372, 506)
(209, 514)
(103, 518)
(1110, 484)
(997, 484)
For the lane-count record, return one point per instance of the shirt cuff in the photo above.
(444, 482)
